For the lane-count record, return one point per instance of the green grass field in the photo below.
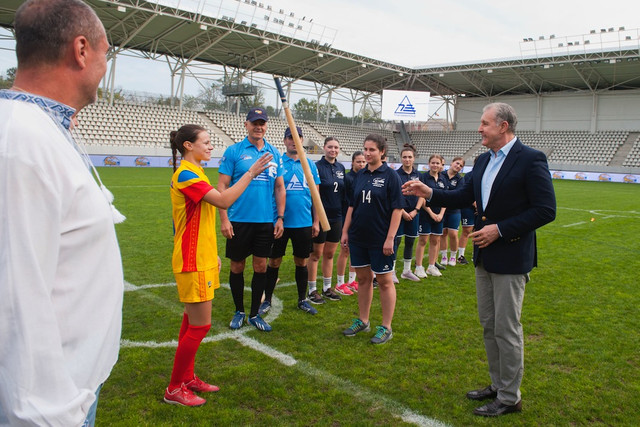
(580, 318)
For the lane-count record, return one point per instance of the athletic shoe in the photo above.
(410, 276)
(316, 298)
(394, 277)
(183, 396)
(196, 384)
(462, 260)
(444, 261)
(382, 335)
(440, 266)
(260, 324)
(357, 326)
(331, 295)
(353, 286)
(452, 261)
(433, 271)
(238, 320)
(420, 272)
(264, 307)
(305, 306)
(344, 289)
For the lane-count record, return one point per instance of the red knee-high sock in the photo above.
(184, 326)
(186, 355)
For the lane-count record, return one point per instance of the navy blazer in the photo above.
(521, 200)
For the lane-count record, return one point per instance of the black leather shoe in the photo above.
(482, 394)
(497, 408)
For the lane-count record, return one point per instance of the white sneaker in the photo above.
(410, 276)
(452, 261)
(433, 271)
(444, 261)
(419, 271)
(394, 277)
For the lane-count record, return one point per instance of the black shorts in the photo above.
(250, 239)
(300, 242)
(331, 236)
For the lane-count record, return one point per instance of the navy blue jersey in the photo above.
(452, 184)
(375, 195)
(331, 187)
(410, 202)
(433, 183)
(349, 180)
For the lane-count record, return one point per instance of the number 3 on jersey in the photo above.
(366, 196)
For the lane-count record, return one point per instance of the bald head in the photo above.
(44, 29)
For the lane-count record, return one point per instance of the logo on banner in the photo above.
(142, 161)
(558, 175)
(111, 161)
(604, 177)
(405, 108)
(630, 178)
(581, 176)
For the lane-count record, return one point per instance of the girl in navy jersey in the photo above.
(410, 214)
(373, 217)
(430, 221)
(325, 244)
(451, 221)
(357, 162)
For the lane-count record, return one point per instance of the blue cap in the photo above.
(257, 113)
(287, 133)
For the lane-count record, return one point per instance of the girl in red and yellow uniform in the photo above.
(195, 256)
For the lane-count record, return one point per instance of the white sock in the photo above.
(461, 252)
(340, 280)
(312, 285)
(443, 254)
(326, 283)
(407, 265)
(352, 276)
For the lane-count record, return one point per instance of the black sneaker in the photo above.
(331, 295)
(375, 283)
(440, 266)
(462, 260)
(316, 298)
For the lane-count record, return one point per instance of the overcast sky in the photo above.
(419, 32)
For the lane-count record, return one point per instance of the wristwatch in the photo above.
(281, 217)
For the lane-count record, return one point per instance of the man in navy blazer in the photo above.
(512, 188)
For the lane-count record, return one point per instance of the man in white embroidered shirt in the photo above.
(61, 279)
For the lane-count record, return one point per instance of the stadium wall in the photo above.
(611, 110)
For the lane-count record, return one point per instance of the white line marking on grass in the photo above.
(395, 408)
(575, 223)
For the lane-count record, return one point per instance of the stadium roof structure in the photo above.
(156, 30)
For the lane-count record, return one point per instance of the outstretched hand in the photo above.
(261, 164)
(416, 188)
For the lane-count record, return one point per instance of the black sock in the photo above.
(272, 278)
(302, 274)
(257, 289)
(236, 283)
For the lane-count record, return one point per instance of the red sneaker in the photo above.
(196, 384)
(183, 396)
(344, 289)
(353, 286)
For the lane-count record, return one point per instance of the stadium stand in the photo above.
(133, 125)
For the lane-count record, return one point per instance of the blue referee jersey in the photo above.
(256, 202)
(375, 195)
(331, 187)
(297, 213)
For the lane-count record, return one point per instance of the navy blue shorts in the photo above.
(362, 256)
(427, 226)
(451, 221)
(331, 236)
(409, 228)
(468, 217)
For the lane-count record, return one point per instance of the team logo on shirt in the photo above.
(296, 185)
(378, 182)
(454, 183)
(245, 157)
(340, 174)
(440, 184)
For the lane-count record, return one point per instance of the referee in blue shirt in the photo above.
(299, 226)
(373, 217)
(249, 224)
